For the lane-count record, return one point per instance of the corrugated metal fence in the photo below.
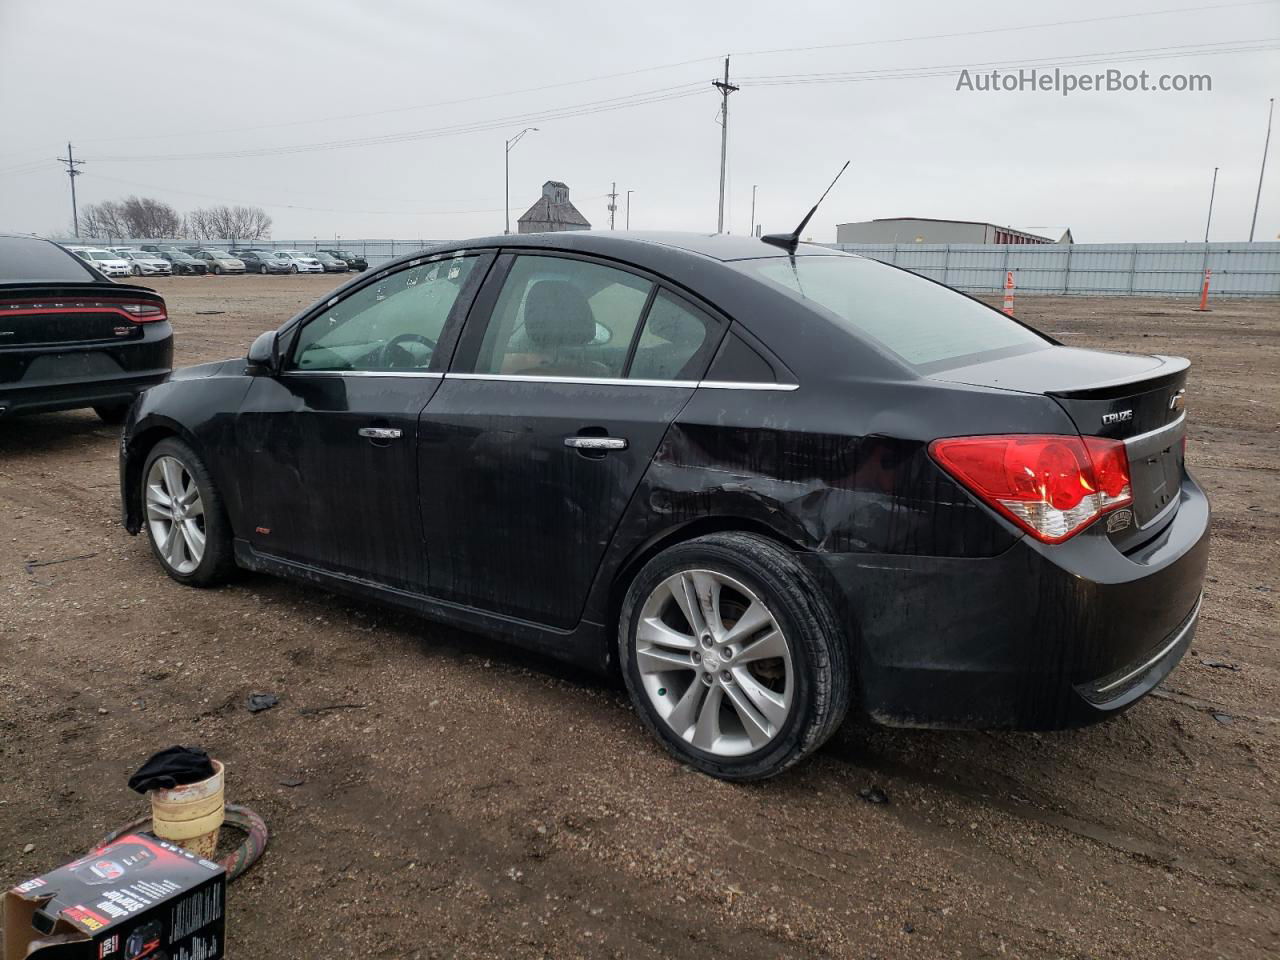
(1097, 269)
(1105, 269)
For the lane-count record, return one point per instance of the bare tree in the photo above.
(229, 223)
(148, 217)
(104, 220)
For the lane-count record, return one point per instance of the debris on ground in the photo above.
(1220, 664)
(258, 702)
(873, 795)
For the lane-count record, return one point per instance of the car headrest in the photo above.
(556, 314)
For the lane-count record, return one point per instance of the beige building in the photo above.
(553, 212)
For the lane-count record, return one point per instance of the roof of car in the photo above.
(717, 246)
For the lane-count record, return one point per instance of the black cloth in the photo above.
(174, 767)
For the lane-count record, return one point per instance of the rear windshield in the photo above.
(24, 259)
(920, 321)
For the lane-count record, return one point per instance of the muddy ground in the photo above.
(434, 794)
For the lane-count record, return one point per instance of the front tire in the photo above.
(185, 520)
(733, 657)
(135, 271)
(217, 271)
(294, 268)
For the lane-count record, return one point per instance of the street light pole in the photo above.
(629, 193)
(753, 208)
(1213, 188)
(507, 176)
(1266, 145)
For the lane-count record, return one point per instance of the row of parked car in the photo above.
(151, 260)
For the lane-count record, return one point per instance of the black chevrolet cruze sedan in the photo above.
(766, 484)
(70, 337)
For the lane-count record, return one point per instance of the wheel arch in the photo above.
(142, 440)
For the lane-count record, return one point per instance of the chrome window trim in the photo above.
(361, 373)
(622, 381)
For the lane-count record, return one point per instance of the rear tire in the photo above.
(184, 517)
(760, 682)
(112, 413)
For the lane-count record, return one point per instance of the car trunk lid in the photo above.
(1133, 398)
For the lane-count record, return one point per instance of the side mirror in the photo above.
(264, 354)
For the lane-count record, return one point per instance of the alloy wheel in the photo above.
(175, 514)
(714, 662)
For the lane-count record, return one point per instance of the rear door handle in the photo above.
(381, 433)
(596, 443)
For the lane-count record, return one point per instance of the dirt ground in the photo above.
(434, 794)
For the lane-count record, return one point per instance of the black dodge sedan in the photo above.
(69, 337)
(766, 484)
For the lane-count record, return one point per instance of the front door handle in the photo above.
(381, 433)
(596, 443)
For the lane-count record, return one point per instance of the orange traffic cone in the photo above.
(1008, 293)
(1204, 292)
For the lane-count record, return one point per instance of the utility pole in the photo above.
(1266, 145)
(72, 173)
(629, 193)
(1212, 189)
(725, 88)
(753, 208)
(507, 176)
(613, 203)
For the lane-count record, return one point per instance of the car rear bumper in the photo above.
(1039, 637)
(42, 379)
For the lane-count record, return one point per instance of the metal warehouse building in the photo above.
(925, 230)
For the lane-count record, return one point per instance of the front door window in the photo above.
(391, 325)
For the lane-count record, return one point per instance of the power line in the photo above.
(658, 95)
(991, 30)
(681, 91)
(1137, 55)
(684, 63)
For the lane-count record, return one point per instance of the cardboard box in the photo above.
(139, 898)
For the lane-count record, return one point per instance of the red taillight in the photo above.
(144, 312)
(1050, 486)
(138, 311)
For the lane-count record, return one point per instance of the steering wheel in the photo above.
(397, 349)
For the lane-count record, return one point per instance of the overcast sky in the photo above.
(143, 90)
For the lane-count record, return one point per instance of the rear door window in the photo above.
(922, 322)
(560, 317)
(675, 341)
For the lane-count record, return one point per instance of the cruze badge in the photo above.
(1120, 416)
(1178, 401)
